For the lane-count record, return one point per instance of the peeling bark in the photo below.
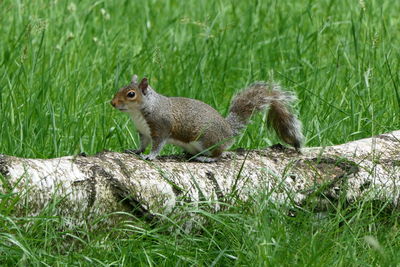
(86, 187)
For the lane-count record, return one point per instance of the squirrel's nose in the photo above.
(112, 103)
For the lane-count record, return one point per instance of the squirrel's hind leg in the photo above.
(214, 156)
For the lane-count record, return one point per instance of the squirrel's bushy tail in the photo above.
(260, 96)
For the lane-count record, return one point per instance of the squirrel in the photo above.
(197, 127)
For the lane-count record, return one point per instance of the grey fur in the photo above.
(197, 127)
(260, 96)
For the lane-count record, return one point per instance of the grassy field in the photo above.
(62, 61)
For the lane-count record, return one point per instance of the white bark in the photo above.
(85, 188)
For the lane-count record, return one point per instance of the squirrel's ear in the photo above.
(134, 79)
(144, 85)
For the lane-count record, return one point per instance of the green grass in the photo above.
(255, 233)
(61, 62)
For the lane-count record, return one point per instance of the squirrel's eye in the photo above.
(131, 94)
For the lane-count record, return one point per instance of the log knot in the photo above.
(333, 169)
(3, 166)
(330, 175)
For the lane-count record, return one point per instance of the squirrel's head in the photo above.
(130, 97)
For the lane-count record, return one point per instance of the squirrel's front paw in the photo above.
(149, 157)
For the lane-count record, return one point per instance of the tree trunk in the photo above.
(84, 188)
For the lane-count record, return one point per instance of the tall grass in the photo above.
(62, 61)
(255, 233)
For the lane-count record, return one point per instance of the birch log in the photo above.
(84, 188)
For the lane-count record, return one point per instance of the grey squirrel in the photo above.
(197, 127)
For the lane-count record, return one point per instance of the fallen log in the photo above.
(84, 188)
